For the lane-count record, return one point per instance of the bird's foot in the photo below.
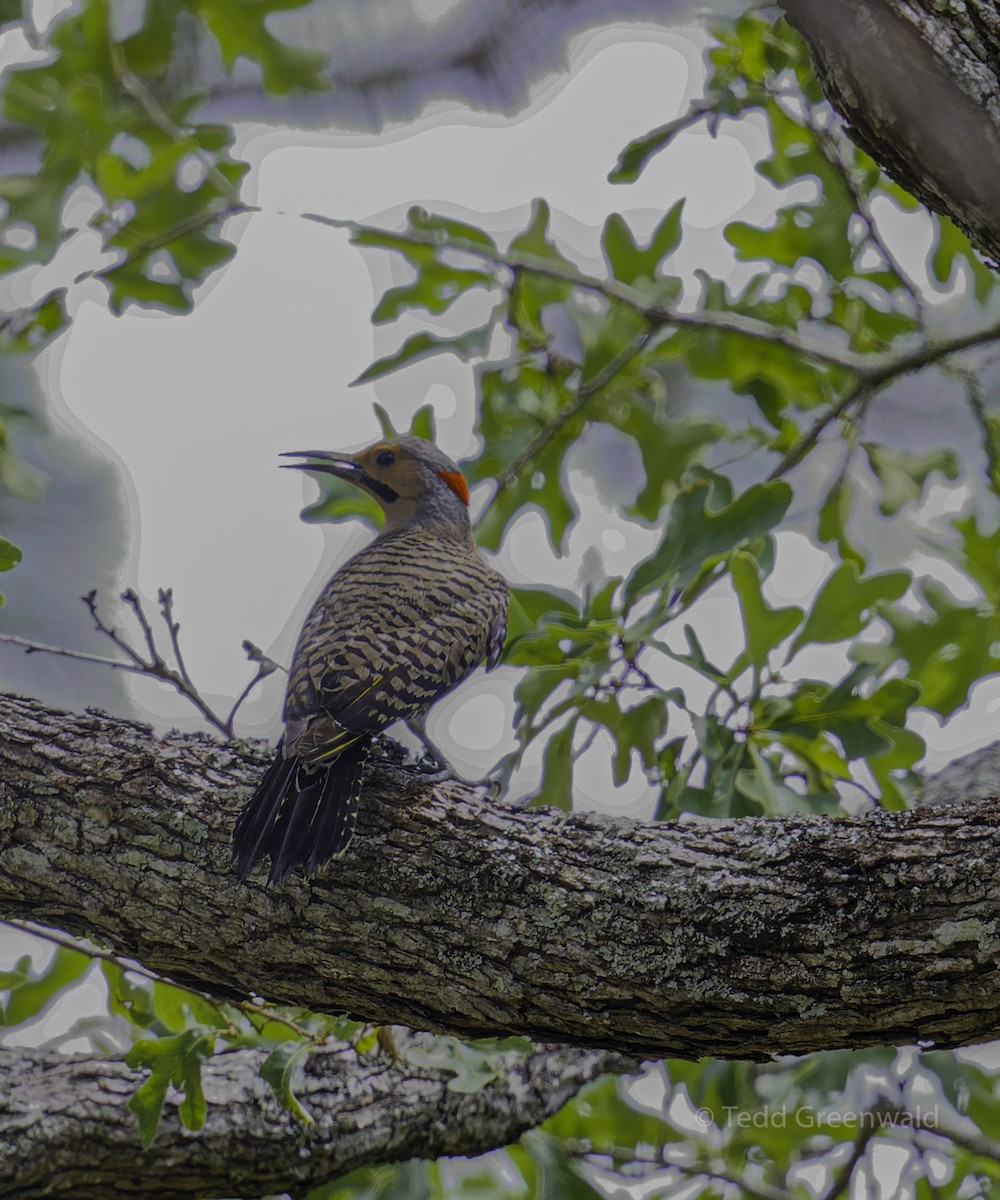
(431, 770)
(432, 763)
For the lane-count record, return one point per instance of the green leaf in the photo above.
(179, 1009)
(472, 1065)
(528, 609)
(241, 31)
(952, 251)
(903, 474)
(514, 410)
(30, 992)
(947, 647)
(32, 328)
(172, 1060)
(864, 724)
(422, 424)
(11, 12)
(532, 292)
(10, 556)
(634, 158)
(762, 783)
(436, 288)
(447, 230)
(279, 1070)
(604, 1115)
(626, 260)
(557, 770)
(846, 603)
(640, 728)
(764, 628)
(690, 437)
(472, 344)
(700, 533)
(834, 515)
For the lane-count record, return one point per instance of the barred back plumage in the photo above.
(400, 624)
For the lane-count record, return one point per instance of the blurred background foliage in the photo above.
(749, 407)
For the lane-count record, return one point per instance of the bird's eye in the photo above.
(385, 458)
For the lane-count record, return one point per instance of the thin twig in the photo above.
(857, 394)
(165, 596)
(131, 598)
(759, 1191)
(833, 148)
(974, 393)
(41, 648)
(841, 1177)
(90, 600)
(137, 89)
(876, 369)
(584, 394)
(265, 666)
(659, 312)
(155, 667)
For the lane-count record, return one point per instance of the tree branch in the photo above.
(873, 369)
(363, 1113)
(732, 938)
(918, 82)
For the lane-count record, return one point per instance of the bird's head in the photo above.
(409, 477)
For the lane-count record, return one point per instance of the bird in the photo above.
(396, 627)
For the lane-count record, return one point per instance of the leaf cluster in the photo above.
(831, 321)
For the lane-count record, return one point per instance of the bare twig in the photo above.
(265, 666)
(155, 666)
(91, 602)
(165, 596)
(41, 648)
(131, 598)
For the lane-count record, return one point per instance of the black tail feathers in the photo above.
(300, 815)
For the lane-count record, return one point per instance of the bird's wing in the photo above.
(346, 683)
(498, 631)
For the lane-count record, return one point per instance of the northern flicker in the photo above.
(400, 624)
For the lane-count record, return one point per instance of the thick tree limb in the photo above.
(919, 83)
(732, 938)
(65, 1130)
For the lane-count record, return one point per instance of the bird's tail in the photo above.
(301, 815)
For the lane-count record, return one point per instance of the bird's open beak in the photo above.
(341, 465)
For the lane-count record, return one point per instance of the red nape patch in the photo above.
(456, 481)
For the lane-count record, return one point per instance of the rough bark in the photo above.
(919, 83)
(65, 1130)
(455, 914)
